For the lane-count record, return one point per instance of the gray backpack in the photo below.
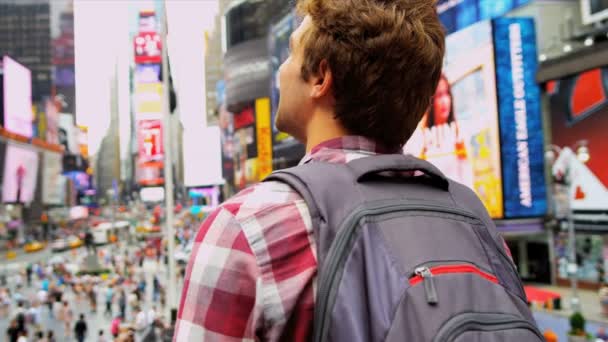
(405, 254)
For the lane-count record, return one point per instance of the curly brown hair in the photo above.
(385, 57)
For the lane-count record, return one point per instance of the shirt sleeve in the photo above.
(218, 299)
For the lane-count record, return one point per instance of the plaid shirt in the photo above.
(252, 273)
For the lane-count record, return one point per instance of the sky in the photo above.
(103, 47)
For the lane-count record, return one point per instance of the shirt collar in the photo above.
(344, 144)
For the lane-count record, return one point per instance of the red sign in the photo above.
(150, 140)
(148, 47)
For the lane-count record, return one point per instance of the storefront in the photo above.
(576, 88)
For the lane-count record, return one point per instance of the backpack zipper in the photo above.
(336, 256)
(426, 275)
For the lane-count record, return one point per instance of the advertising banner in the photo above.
(20, 174)
(150, 173)
(148, 47)
(148, 99)
(520, 117)
(579, 112)
(147, 73)
(17, 94)
(484, 127)
(460, 133)
(150, 140)
(67, 133)
(264, 135)
(53, 184)
(459, 14)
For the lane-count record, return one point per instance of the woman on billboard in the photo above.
(443, 144)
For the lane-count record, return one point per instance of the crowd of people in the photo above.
(51, 301)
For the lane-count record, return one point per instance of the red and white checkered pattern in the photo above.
(253, 267)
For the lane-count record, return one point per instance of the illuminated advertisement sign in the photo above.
(148, 99)
(148, 48)
(264, 137)
(579, 112)
(20, 173)
(470, 130)
(150, 140)
(17, 97)
(459, 14)
(521, 128)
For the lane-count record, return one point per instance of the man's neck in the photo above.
(323, 127)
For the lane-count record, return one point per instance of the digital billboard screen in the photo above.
(17, 96)
(460, 133)
(484, 126)
(20, 174)
(579, 112)
(459, 14)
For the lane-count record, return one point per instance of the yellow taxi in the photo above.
(33, 246)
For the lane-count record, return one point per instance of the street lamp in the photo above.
(561, 160)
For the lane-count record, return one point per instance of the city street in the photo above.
(96, 321)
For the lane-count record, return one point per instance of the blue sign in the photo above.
(458, 14)
(521, 129)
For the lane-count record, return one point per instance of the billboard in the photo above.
(148, 99)
(20, 174)
(67, 133)
(17, 96)
(459, 14)
(579, 111)
(150, 140)
(521, 128)
(53, 182)
(463, 133)
(202, 156)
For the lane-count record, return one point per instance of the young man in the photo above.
(360, 76)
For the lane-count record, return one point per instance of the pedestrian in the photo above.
(28, 274)
(92, 298)
(141, 320)
(101, 337)
(40, 336)
(109, 298)
(13, 331)
(115, 326)
(80, 329)
(122, 303)
(50, 336)
(67, 316)
(19, 316)
(151, 316)
(22, 336)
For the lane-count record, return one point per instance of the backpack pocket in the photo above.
(487, 327)
(427, 273)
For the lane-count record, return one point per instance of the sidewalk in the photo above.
(589, 301)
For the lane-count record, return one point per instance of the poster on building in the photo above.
(264, 137)
(67, 133)
(62, 54)
(150, 141)
(521, 126)
(246, 151)
(20, 174)
(148, 100)
(17, 97)
(579, 115)
(53, 182)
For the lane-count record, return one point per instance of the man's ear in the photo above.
(323, 81)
